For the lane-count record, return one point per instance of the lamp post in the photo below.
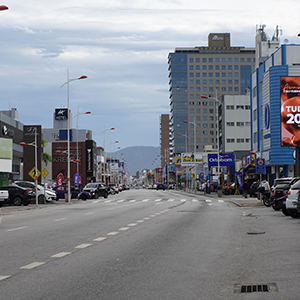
(217, 119)
(111, 155)
(34, 144)
(112, 128)
(68, 122)
(3, 7)
(186, 147)
(77, 159)
(195, 149)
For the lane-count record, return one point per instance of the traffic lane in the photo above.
(63, 229)
(179, 256)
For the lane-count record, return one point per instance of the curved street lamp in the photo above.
(68, 133)
(3, 7)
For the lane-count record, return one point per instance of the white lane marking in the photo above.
(121, 200)
(152, 216)
(147, 218)
(124, 228)
(221, 201)
(19, 228)
(107, 201)
(132, 200)
(58, 220)
(183, 200)
(61, 254)
(82, 246)
(113, 233)
(195, 200)
(140, 221)
(4, 277)
(145, 200)
(157, 200)
(96, 201)
(171, 200)
(90, 213)
(208, 201)
(32, 265)
(100, 239)
(132, 224)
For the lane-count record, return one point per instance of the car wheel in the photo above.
(26, 203)
(105, 195)
(41, 199)
(285, 212)
(17, 201)
(276, 208)
(295, 215)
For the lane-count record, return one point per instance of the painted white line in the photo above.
(195, 200)
(3, 277)
(90, 213)
(183, 200)
(221, 201)
(140, 221)
(145, 200)
(152, 216)
(132, 224)
(96, 201)
(147, 218)
(100, 239)
(132, 200)
(61, 254)
(113, 233)
(58, 220)
(157, 200)
(208, 201)
(121, 200)
(210, 204)
(14, 229)
(124, 228)
(171, 200)
(32, 265)
(82, 246)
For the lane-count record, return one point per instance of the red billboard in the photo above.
(290, 110)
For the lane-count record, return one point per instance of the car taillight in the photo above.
(289, 192)
(28, 191)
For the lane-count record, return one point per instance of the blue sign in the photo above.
(225, 159)
(201, 175)
(260, 166)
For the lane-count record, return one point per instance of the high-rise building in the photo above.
(164, 140)
(212, 71)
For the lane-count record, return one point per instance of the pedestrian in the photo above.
(265, 184)
(246, 188)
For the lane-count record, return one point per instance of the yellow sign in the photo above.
(193, 175)
(178, 161)
(45, 173)
(32, 173)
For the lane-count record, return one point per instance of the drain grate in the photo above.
(253, 288)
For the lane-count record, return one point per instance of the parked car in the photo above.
(113, 188)
(4, 196)
(291, 201)
(18, 195)
(254, 189)
(96, 190)
(160, 186)
(43, 194)
(61, 190)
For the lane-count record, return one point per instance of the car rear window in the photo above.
(296, 186)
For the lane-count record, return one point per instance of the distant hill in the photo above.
(138, 158)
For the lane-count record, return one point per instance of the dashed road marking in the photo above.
(124, 228)
(122, 200)
(171, 200)
(96, 201)
(221, 201)
(208, 201)
(147, 218)
(113, 233)
(145, 200)
(82, 246)
(132, 224)
(100, 239)
(3, 277)
(132, 200)
(157, 200)
(58, 220)
(19, 228)
(32, 265)
(140, 221)
(107, 201)
(195, 200)
(90, 213)
(183, 200)
(61, 254)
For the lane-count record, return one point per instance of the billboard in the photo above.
(187, 159)
(290, 110)
(225, 159)
(6, 148)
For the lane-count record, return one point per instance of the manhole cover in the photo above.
(255, 288)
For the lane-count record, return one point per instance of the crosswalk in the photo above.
(157, 201)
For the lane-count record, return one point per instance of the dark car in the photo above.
(61, 190)
(160, 186)
(254, 189)
(96, 190)
(18, 195)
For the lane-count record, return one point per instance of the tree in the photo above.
(46, 157)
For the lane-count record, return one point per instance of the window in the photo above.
(211, 111)
(192, 119)
(223, 67)
(236, 60)
(204, 125)
(204, 89)
(229, 124)
(210, 74)
(210, 67)
(230, 107)
(211, 125)
(204, 81)
(192, 111)
(247, 140)
(236, 81)
(247, 106)
(204, 60)
(197, 60)
(223, 60)
(217, 67)
(205, 132)
(248, 60)
(211, 103)
(198, 103)
(204, 118)
(254, 115)
(191, 81)
(204, 103)
(198, 96)
(210, 89)
(217, 74)
(242, 59)
(204, 67)
(229, 74)
(230, 81)
(229, 60)
(223, 81)
(211, 133)
(210, 60)
(223, 89)
(217, 60)
(191, 60)
(197, 67)
(240, 107)
(197, 81)
(191, 103)
(197, 74)
(192, 96)
(211, 118)
(236, 67)
(240, 124)
(210, 81)
(236, 88)
(198, 118)
(247, 123)
(204, 74)
(230, 89)
(205, 140)
(236, 74)
(240, 140)
(230, 141)
(191, 74)
(204, 111)
(191, 67)
(223, 74)
(230, 67)
(198, 88)
(217, 81)
(191, 89)
(211, 140)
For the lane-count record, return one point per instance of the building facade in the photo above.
(214, 70)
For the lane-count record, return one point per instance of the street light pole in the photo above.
(68, 133)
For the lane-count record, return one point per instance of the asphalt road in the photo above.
(145, 244)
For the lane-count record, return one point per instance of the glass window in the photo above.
(210, 60)
(210, 67)
(211, 118)
(211, 111)
(247, 106)
(204, 111)
(210, 74)
(242, 59)
(249, 60)
(236, 81)
(211, 125)
(191, 81)
(211, 103)
(210, 81)
(197, 60)
(217, 60)
(197, 74)
(197, 67)
(204, 74)
(230, 89)
(191, 74)
(223, 67)
(236, 74)
(198, 96)
(236, 67)
(204, 125)
(192, 111)
(191, 103)
(197, 81)
(236, 89)
(210, 89)
(192, 96)
(204, 103)
(197, 88)
(240, 124)
(191, 67)
(191, 89)
(240, 107)
(223, 60)
(204, 81)
(230, 67)
(191, 60)
(229, 74)
(223, 74)
(217, 74)
(205, 132)
(236, 60)
(204, 67)
(223, 81)
(230, 81)
(204, 89)
(198, 111)
(217, 81)
(198, 103)
(204, 118)
(223, 89)
(192, 118)
(204, 60)
(229, 60)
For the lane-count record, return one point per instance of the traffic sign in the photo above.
(260, 166)
(177, 161)
(45, 173)
(193, 175)
(32, 173)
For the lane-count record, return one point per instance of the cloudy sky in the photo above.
(122, 46)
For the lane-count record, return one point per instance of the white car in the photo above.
(291, 200)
